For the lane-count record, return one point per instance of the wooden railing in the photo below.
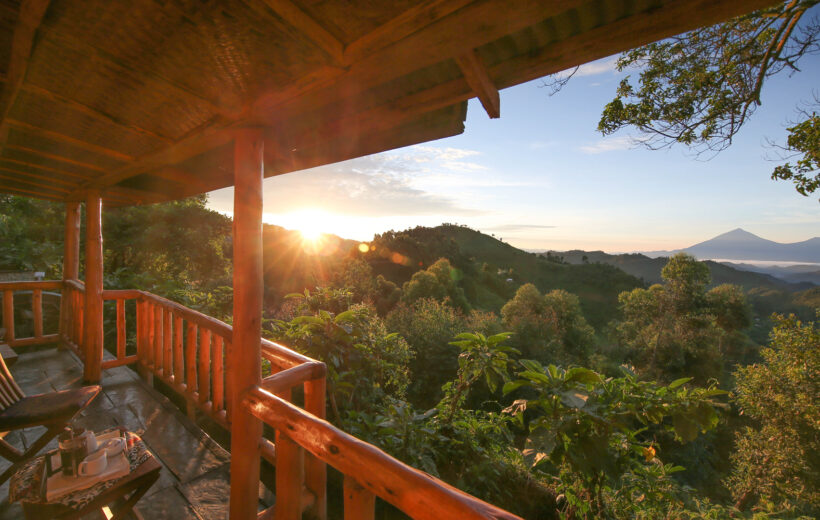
(72, 316)
(36, 288)
(368, 471)
(186, 349)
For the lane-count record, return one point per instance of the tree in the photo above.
(428, 325)
(596, 429)
(700, 88)
(679, 329)
(439, 281)
(548, 327)
(778, 458)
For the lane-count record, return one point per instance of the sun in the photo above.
(310, 223)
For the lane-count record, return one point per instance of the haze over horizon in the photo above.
(542, 178)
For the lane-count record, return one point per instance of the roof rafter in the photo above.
(92, 112)
(45, 168)
(410, 21)
(177, 174)
(30, 17)
(55, 157)
(58, 180)
(212, 136)
(56, 136)
(479, 80)
(35, 184)
(147, 76)
(294, 15)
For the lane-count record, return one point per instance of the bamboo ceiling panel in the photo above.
(139, 99)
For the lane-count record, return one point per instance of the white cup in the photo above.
(94, 464)
(112, 446)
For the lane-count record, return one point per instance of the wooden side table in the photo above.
(120, 494)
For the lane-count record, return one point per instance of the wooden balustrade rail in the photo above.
(186, 348)
(368, 471)
(36, 288)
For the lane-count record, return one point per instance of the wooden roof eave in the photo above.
(349, 110)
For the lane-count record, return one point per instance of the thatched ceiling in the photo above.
(139, 98)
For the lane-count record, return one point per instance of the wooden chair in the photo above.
(53, 410)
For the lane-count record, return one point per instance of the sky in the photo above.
(542, 178)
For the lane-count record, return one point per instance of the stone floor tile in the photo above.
(168, 503)
(209, 493)
(184, 454)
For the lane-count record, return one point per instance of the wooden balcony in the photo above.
(183, 352)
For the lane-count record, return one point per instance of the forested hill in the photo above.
(491, 271)
(649, 270)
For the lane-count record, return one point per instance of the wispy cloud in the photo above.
(381, 184)
(594, 68)
(611, 144)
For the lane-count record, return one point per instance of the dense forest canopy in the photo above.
(550, 389)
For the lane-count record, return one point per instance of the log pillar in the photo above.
(71, 263)
(245, 351)
(93, 326)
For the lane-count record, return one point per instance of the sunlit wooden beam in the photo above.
(176, 174)
(56, 136)
(58, 180)
(93, 112)
(22, 43)
(408, 22)
(479, 80)
(58, 171)
(54, 157)
(210, 137)
(302, 21)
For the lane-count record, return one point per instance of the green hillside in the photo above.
(493, 271)
(649, 269)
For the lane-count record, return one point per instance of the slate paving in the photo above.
(194, 482)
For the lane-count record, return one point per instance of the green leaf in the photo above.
(582, 375)
(677, 382)
(514, 385)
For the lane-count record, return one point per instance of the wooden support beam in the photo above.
(51, 179)
(71, 243)
(56, 136)
(182, 176)
(22, 43)
(93, 112)
(93, 327)
(146, 75)
(33, 183)
(479, 80)
(71, 263)
(212, 136)
(55, 157)
(245, 349)
(476, 24)
(32, 193)
(400, 27)
(61, 173)
(295, 16)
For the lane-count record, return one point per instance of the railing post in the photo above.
(37, 311)
(316, 469)
(359, 503)
(8, 315)
(93, 330)
(245, 354)
(71, 265)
